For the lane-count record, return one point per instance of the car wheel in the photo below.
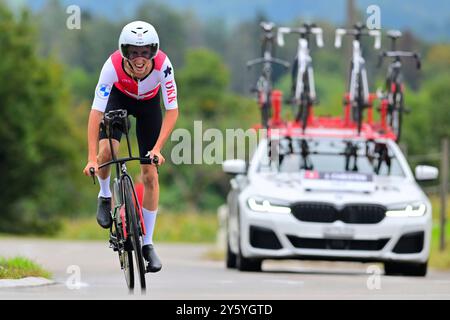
(248, 264)
(406, 269)
(230, 257)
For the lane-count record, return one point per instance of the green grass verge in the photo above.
(20, 267)
(170, 227)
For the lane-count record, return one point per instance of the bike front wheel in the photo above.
(396, 115)
(126, 260)
(132, 207)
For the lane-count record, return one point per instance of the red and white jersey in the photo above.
(113, 74)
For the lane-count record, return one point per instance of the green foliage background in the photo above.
(49, 74)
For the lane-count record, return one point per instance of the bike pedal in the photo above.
(113, 246)
(406, 110)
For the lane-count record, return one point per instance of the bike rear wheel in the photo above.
(131, 205)
(305, 103)
(265, 114)
(360, 105)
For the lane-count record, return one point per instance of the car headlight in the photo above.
(260, 205)
(417, 209)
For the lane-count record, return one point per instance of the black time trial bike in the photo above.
(128, 228)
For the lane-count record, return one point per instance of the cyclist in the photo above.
(131, 79)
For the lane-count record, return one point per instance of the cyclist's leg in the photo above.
(104, 219)
(104, 155)
(117, 100)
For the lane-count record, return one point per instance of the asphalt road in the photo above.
(188, 274)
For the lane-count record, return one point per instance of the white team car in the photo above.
(324, 198)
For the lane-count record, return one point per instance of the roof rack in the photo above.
(328, 126)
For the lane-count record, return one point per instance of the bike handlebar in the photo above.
(154, 160)
(265, 60)
(400, 54)
(357, 32)
(302, 31)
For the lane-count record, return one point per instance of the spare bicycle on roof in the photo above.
(392, 106)
(303, 86)
(264, 84)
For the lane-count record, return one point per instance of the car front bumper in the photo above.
(282, 236)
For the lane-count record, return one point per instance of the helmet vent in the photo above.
(133, 31)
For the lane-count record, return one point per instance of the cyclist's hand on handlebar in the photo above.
(156, 153)
(91, 164)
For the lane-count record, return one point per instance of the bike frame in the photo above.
(358, 98)
(121, 174)
(358, 70)
(304, 65)
(303, 57)
(394, 82)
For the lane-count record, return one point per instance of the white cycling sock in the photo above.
(105, 191)
(149, 221)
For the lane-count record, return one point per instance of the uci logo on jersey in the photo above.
(103, 91)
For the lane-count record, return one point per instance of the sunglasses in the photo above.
(147, 52)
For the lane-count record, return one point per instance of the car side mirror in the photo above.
(234, 166)
(424, 173)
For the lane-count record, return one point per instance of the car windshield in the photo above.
(333, 155)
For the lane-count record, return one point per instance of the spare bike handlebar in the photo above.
(303, 32)
(267, 60)
(398, 55)
(357, 32)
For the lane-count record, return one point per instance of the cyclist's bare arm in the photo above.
(168, 124)
(169, 94)
(95, 117)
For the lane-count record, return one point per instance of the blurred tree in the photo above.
(37, 153)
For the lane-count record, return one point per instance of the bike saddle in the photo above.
(267, 26)
(394, 34)
(359, 26)
(309, 26)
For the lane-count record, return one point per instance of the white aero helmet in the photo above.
(141, 34)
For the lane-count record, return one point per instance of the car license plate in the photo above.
(336, 232)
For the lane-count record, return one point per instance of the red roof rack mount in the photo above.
(328, 126)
